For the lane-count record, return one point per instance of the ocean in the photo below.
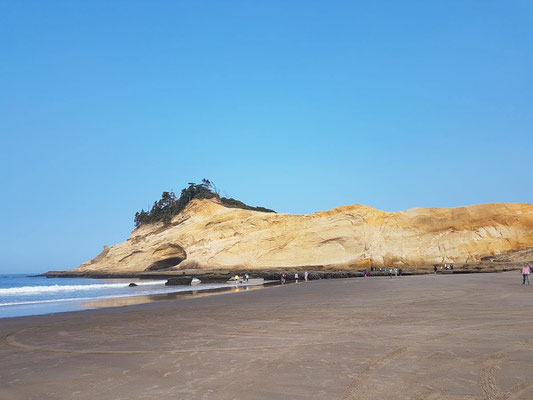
(33, 295)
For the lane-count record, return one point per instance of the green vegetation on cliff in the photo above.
(170, 205)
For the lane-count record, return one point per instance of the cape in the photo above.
(209, 235)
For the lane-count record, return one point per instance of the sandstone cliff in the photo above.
(209, 235)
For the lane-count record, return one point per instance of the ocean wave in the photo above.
(165, 290)
(176, 289)
(25, 290)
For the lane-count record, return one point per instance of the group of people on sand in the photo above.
(446, 267)
(243, 279)
(395, 272)
(386, 270)
(526, 271)
(443, 267)
(283, 277)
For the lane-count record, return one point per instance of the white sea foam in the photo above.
(25, 290)
(164, 290)
(141, 293)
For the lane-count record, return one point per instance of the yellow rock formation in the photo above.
(209, 235)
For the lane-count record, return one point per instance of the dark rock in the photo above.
(179, 280)
(132, 284)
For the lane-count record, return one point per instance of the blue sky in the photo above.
(294, 105)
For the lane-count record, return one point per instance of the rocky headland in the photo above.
(210, 236)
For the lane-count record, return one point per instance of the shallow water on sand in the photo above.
(34, 295)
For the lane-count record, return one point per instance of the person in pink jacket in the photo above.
(525, 274)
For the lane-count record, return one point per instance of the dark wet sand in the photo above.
(420, 337)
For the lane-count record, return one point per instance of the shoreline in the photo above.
(127, 300)
(75, 304)
(218, 275)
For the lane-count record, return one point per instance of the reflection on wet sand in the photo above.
(193, 293)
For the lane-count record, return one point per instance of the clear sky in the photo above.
(297, 106)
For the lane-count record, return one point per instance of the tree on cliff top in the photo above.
(170, 205)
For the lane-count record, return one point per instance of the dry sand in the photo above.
(421, 337)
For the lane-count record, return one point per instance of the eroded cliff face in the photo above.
(209, 235)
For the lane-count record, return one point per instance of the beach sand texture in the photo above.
(420, 337)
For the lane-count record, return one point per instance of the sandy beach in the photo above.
(419, 337)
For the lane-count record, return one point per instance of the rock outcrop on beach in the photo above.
(208, 235)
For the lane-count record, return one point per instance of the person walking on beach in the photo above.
(390, 273)
(296, 277)
(525, 274)
(282, 279)
(306, 275)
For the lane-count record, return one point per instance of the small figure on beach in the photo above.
(400, 272)
(306, 276)
(525, 274)
(390, 272)
(246, 277)
(283, 279)
(395, 271)
(435, 268)
(296, 277)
